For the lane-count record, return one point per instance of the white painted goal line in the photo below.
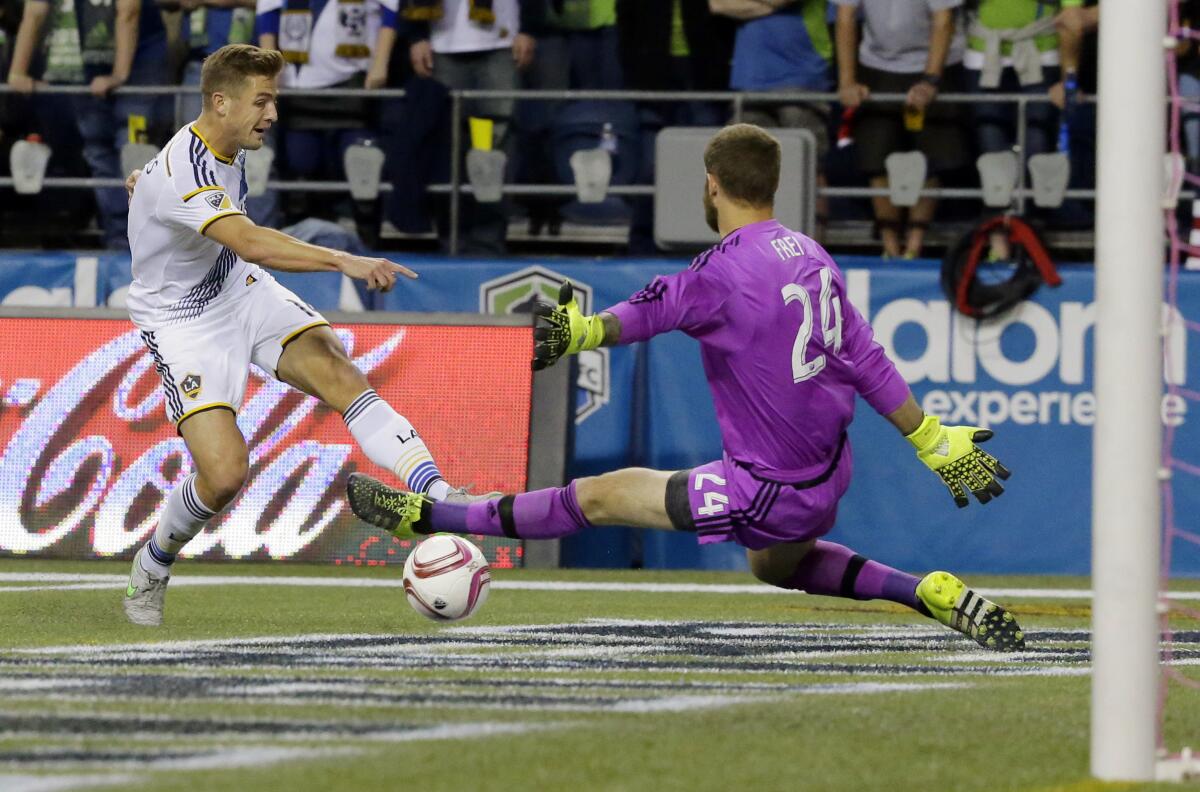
(65, 581)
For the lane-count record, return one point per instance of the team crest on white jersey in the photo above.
(190, 385)
(219, 201)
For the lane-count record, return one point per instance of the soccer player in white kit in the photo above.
(207, 310)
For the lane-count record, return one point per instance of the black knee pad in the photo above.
(679, 510)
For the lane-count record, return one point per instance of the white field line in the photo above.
(223, 759)
(60, 783)
(249, 757)
(71, 582)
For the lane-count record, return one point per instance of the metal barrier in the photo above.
(455, 188)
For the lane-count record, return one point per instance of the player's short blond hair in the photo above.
(227, 69)
(744, 159)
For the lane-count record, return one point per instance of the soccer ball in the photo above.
(446, 578)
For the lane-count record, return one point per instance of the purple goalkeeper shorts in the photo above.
(723, 501)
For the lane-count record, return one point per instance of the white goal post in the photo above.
(1126, 520)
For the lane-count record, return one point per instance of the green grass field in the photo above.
(277, 685)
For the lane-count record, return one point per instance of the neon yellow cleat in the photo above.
(959, 608)
(384, 507)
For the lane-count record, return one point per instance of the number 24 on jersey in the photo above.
(831, 325)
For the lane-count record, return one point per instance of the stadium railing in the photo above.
(456, 187)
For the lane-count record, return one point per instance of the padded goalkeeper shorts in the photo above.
(726, 501)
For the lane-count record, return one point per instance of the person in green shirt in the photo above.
(103, 46)
(580, 46)
(1013, 47)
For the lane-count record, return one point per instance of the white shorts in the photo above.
(204, 362)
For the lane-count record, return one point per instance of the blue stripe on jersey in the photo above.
(201, 164)
(193, 303)
(204, 175)
(175, 404)
(192, 159)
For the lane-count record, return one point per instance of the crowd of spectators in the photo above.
(856, 48)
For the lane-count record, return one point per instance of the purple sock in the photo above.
(838, 571)
(542, 514)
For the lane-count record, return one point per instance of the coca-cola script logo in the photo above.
(89, 454)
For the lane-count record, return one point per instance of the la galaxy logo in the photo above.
(251, 280)
(516, 293)
(190, 386)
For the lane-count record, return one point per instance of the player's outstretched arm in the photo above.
(276, 250)
(952, 453)
(563, 329)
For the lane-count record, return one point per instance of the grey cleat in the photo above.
(145, 594)
(463, 496)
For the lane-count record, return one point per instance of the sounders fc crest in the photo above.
(516, 293)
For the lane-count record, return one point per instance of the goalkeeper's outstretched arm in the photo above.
(952, 453)
(563, 329)
(691, 300)
(949, 451)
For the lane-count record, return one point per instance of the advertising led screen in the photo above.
(89, 454)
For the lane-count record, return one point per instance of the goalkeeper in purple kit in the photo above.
(785, 354)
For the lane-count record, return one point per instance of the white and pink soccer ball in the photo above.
(446, 578)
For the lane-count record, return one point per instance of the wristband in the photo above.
(926, 433)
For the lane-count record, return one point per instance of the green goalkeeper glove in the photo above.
(950, 451)
(562, 329)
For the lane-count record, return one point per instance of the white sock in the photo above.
(391, 442)
(152, 561)
(183, 516)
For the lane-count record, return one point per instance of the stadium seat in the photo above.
(578, 128)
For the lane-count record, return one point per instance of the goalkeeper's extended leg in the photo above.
(633, 496)
(828, 568)
(541, 514)
(833, 570)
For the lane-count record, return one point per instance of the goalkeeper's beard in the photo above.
(710, 212)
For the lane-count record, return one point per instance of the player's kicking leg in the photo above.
(219, 453)
(317, 364)
(654, 499)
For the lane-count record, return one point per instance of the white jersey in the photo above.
(178, 273)
(339, 26)
(457, 32)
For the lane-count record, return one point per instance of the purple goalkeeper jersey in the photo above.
(784, 351)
